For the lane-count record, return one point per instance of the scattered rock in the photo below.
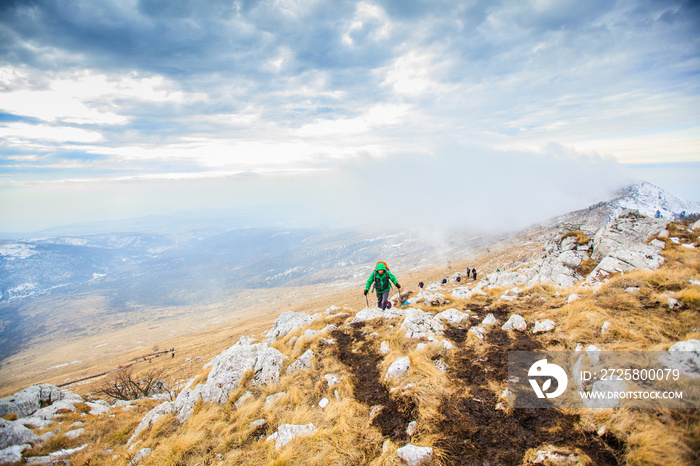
(673, 303)
(511, 294)
(490, 319)
(323, 403)
(441, 365)
(384, 347)
(288, 432)
(304, 362)
(139, 456)
(605, 327)
(258, 423)
(452, 315)
(399, 367)
(556, 457)
(413, 455)
(544, 326)
(411, 429)
(274, 397)
(418, 324)
(478, 332)
(73, 434)
(239, 402)
(684, 356)
(374, 411)
(515, 322)
(572, 297)
(332, 379)
(632, 289)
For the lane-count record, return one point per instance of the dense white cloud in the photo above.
(180, 90)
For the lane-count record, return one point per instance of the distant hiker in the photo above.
(421, 285)
(444, 281)
(474, 273)
(381, 278)
(459, 279)
(469, 272)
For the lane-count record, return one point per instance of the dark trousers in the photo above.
(382, 299)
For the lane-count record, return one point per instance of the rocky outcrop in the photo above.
(14, 433)
(26, 402)
(288, 322)
(228, 370)
(622, 245)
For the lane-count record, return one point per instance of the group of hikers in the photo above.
(382, 278)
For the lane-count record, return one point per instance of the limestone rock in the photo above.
(478, 332)
(622, 246)
(419, 324)
(14, 433)
(685, 356)
(274, 397)
(288, 432)
(384, 347)
(452, 315)
(304, 362)
(413, 455)
(544, 326)
(323, 403)
(287, 322)
(515, 322)
(490, 319)
(398, 368)
(12, 454)
(332, 379)
(26, 402)
(150, 418)
(73, 434)
(139, 456)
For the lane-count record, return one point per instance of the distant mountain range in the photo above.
(167, 262)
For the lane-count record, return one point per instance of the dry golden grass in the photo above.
(223, 434)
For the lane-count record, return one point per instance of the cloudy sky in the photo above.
(352, 110)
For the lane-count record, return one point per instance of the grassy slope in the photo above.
(454, 410)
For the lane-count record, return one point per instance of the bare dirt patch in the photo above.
(364, 363)
(472, 431)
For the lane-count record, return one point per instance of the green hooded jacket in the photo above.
(385, 285)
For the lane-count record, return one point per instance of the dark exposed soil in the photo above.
(472, 431)
(393, 419)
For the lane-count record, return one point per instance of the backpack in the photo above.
(381, 280)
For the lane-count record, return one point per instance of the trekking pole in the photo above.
(367, 300)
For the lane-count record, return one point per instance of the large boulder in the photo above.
(288, 322)
(14, 433)
(419, 324)
(398, 368)
(26, 402)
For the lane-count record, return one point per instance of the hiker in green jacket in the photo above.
(381, 278)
